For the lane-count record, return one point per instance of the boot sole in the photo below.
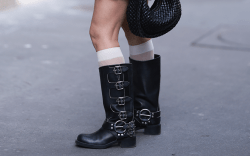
(125, 143)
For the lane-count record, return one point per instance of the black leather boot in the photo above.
(146, 94)
(117, 93)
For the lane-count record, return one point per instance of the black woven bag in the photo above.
(154, 21)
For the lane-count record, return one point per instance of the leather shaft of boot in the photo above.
(146, 83)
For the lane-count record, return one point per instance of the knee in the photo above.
(103, 38)
(95, 34)
(99, 34)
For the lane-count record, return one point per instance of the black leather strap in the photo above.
(154, 118)
(156, 114)
(127, 129)
(153, 114)
(118, 69)
(120, 85)
(123, 100)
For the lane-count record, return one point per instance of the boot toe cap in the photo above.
(101, 137)
(83, 138)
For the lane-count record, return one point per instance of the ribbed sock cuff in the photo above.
(108, 54)
(141, 48)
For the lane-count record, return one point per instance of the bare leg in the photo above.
(106, 22)
(134, 40)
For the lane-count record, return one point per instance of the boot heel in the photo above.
(128, 142)
(153, 130)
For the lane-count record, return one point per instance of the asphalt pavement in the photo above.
(50, 87)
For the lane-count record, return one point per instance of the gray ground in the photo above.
(50, 92)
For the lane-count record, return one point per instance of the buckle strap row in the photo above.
(121, 127)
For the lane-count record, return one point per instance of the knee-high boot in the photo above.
(146, 94)
(117, 93)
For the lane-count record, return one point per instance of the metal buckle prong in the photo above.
(145, 115)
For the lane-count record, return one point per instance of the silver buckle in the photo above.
(122, 115)
(147, 114)
(119, 129)
(120, 101)
(117, 70)
(119, 85)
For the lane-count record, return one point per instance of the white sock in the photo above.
(110, 56)
(142, 52)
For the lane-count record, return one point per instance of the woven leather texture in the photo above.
(154, 21)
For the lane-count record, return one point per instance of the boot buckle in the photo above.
(120, 101)
(117, 70)
(123, 115)
(145, 115)
(119, 85)
(122, 128)
(119, 127)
